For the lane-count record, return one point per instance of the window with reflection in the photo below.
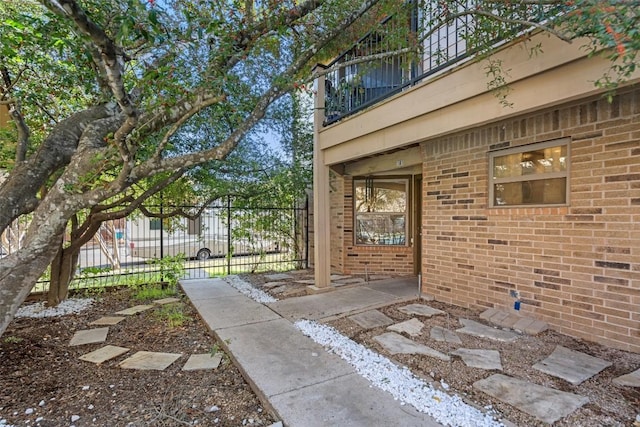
(380, 211)
(534, 174)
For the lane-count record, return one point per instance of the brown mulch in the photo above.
(43, 383)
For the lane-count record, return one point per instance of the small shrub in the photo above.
(154, 291)
(173, 314)
(12, 340)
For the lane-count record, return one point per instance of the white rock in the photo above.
(75, 418)
(29, 411)
(447, 409)
(68, 306)
(90, 406)
(85, 387)
(212, 408)
(42, 403)
(246, 288)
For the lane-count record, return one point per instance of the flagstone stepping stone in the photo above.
(514, 321)
(481, 359)
(134, 310)
(420, 310)
(89, 336)
(202, 361)
(107, 321)
(371, 319)
(374, 277)
(441, 334)
(103, 354)
(339, 277)
(571, 365)
(277, 276)
(631, 379)
(270, 285)
(306, 282)
(397, 344)
(530, 326)
(412, 327)
(352, 281)
(483, 331)
(544, 403)
(279, 289)
(149, 360)
(165, 301)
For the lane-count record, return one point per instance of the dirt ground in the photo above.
(43, 383)
(609, 404)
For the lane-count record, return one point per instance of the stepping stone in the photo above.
(279, 289)
(134, 310)
(489, 313)
(371, 319)
(202, 361)
(165, 301)
(546, 404)
(514, 321)
(339, 277)
(439, 333)
(571, 365)
(89, 336)
(107, 321)
(395, 343)
(350, 281)
(148, 360)
(306, 282)
(420, 310)
(103, 354)
(270, 285)
(481, 359)
(632, 379)
(412, 327)
(509, 321)
(374, 277)
(479, 330)
(277, 276)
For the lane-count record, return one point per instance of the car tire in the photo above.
(203, 254)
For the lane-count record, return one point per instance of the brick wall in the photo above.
(576, 267)
(360, 259)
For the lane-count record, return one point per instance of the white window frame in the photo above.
(535, 177)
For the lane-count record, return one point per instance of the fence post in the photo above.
(229, 254)
(161, 228)
(306, 232)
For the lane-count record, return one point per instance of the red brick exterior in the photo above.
(575, 267)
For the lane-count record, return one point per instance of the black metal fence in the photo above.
(380, 64)
(226, 237)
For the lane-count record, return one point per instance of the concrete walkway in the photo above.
(302, 383)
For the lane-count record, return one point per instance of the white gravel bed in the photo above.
(449, 410)
(68, 306)
(247, 289)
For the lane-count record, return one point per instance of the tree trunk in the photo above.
(20, 271)
(63, 269)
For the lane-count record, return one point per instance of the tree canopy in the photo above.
(113, 99)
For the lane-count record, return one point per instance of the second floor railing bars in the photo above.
(379, 65)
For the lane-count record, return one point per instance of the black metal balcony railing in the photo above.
(364, 75)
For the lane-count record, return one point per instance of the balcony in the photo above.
(380, 65)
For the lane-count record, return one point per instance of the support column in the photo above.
(321, 199)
